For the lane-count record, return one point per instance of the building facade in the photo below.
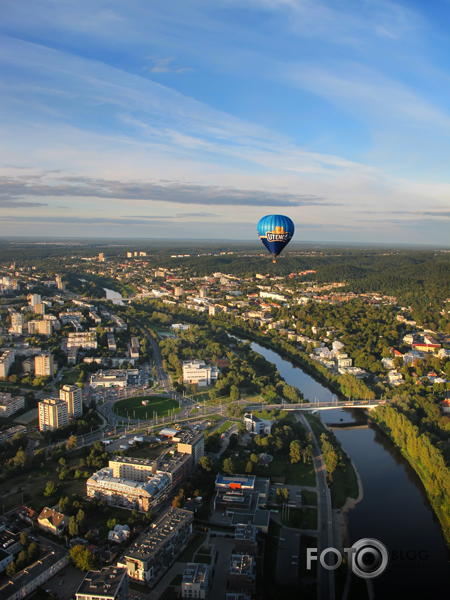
(198, 372)
(9, 405)
(44, 365)
(6, 360)
(152, 554)
(196, 581)
(53, 413)
(73, 396)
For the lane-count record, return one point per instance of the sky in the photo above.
(193, 119)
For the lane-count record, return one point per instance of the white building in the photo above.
(197, 371)
(73, 397)
(111, 583)
(6, 360)
(53, 413)
(44, 365)
(9, 405)
(16, 323)
(179, 327)
(86, 339)
(256, 425)
(196, 579)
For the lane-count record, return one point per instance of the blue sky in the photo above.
(192, 119)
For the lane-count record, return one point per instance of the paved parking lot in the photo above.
(288, 553)
(65, 584)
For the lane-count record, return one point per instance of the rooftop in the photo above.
(104, 583)
(162, 529)
(195, 573)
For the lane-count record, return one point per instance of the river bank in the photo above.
(394, 508)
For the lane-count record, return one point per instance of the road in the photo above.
(325, 519)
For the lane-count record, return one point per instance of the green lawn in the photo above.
(69, 377)
(301, 518)
(160, 404)
(309, 498)
(297, 474)
(224, 427)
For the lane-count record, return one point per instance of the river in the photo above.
(394, 509)
(115, 297)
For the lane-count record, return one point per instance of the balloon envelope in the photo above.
(275, 232)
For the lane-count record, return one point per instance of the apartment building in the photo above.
(39, 309)
(112, 346)
(197, 371)
(196, 581)
(9, 405)
(40, 327)
(82, 339)
(51, 562)
(111, 583)
(73, 396)
(44, 365)
(53, 413)
(134, 347)
(245, 540)
(118, 322)
(153, 553)
(191, 442)
(8, 434)
(33, 299)
(6, 360)
(16, 323)
(143, 496)
(241, 575)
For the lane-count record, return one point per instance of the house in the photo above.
(52, 521)
(445, 405)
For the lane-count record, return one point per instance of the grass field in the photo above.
(69, 378)
(224, 427)
(133, 407)
(309, 498)
(301, 518)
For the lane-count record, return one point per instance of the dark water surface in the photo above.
(394, 509)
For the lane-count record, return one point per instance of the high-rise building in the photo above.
(73, 396)
(33, 299)
(44, 365)
(129, 254)
(16, 323)
(101, 257)
(40, 327)
(177, 291)
(6, 360)
(53, 413)
(204, 292)
(39, 308)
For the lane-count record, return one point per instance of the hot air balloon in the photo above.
(275, 232)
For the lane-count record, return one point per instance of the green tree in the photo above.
(71, 443)
(249, 467)
(73, 527)
(50, 489)
(111, 523)
(228, 466)
(295, 451)
(82, 558)
(81, 518)
(33, 552)
(206, 463)
(24, 539)
(11, 570)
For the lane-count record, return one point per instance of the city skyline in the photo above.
(168, 121)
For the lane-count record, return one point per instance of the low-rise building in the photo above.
(196, 581)
(112, 377)
(256, 425)
(52, 521)
(8, 434)
(9, 405)
(119, 534)
(241, 576)
(51, 562)
(153, 553)
(5, 559)
(10, 542)
(198, 372)
(245, 540)
(111, 583)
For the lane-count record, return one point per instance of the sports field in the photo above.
(133, 407)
